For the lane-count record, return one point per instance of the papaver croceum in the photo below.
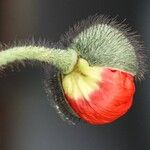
(98, 95)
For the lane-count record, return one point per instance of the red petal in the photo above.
(109, 102)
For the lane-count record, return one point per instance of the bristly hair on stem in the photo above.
(64, 60)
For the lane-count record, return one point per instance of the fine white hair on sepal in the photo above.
(54, 91)
(104, 41)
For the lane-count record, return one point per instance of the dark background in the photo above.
(27, 122)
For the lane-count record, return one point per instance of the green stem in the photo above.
(64, 60)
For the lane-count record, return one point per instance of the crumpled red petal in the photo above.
(110, 101)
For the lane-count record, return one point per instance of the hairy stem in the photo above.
(64, 60)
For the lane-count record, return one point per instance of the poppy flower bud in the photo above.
(98, 95)
(97, 61)
(100, 88)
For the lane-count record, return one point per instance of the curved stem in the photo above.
(64, 60)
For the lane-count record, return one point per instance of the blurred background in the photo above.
(27, 122)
